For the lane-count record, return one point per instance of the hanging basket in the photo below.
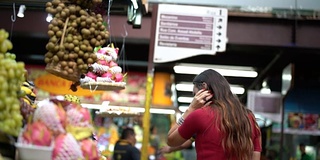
(103, 86)
(57, 70)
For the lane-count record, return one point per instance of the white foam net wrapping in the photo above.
(111, 52)
(70, 149)
(75, 118)
(98, 68)
(86, 79)
(104, 79)
(115, 69)
(47, 113)
(104, 57)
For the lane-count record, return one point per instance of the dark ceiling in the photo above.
(269, 61)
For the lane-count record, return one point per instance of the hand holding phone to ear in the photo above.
(202, 98)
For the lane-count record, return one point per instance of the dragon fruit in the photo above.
(89, 149)
(118, 77)
(92, 75)
(52, 115)
(37, 133)
(66, 147)
(102, 62)
(107, 75)
(78, 116)
(112, 64)
(79, 122)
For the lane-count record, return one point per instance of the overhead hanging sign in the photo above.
(184, 31)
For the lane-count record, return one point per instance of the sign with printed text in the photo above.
(185, 31)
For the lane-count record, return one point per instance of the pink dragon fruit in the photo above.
(66, 147)
(91, 75)
(89, 149)
(118, 77)
(37, 133)
(103, 62)
(107, 75)
(112, 64)
(102, 51)
(79, 122)
(52, 115)
(116, 50)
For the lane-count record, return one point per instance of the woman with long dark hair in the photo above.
(224, 128)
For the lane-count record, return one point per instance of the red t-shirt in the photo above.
(208, 138)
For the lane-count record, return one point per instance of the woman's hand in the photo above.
(202, 98)
(164, 150)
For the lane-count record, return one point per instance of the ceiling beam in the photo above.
(256, 84)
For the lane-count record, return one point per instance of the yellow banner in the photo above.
(60, 86)
(162, 90)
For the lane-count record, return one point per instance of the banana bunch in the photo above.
(27, 105)
(28, 87)
(72, 98)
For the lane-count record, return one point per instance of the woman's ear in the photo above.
(205, 86)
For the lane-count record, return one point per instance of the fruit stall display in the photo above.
(27, 102)
(74, 32)
(60, 128)
(11, 78)
(105, 73)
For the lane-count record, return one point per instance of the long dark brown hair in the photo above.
(235, 119)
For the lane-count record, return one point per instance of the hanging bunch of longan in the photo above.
(74, 32)
(86, 3)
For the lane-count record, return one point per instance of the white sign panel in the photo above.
(185, 31)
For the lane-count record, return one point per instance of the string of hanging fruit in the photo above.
(74, 32)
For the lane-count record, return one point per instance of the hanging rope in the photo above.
(122, 54)
(13, 19)
(108, 19)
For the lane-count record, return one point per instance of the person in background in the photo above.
(225, 129)
(304, 155)
(125, 148)
(154, 141)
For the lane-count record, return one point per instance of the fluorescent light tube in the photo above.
(231, 71)
(234, 90)
(185, 99)
(162, 111)
(188, 87)
(183, 108)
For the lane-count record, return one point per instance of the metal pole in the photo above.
(149, 88)
(285, 94)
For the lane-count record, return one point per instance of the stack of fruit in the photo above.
(27, 105)
(72, 98)
(105, 74)
(11, 78)
(74, 32)
(64, 125)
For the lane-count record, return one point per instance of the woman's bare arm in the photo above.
(168, 149)
(256, 155)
